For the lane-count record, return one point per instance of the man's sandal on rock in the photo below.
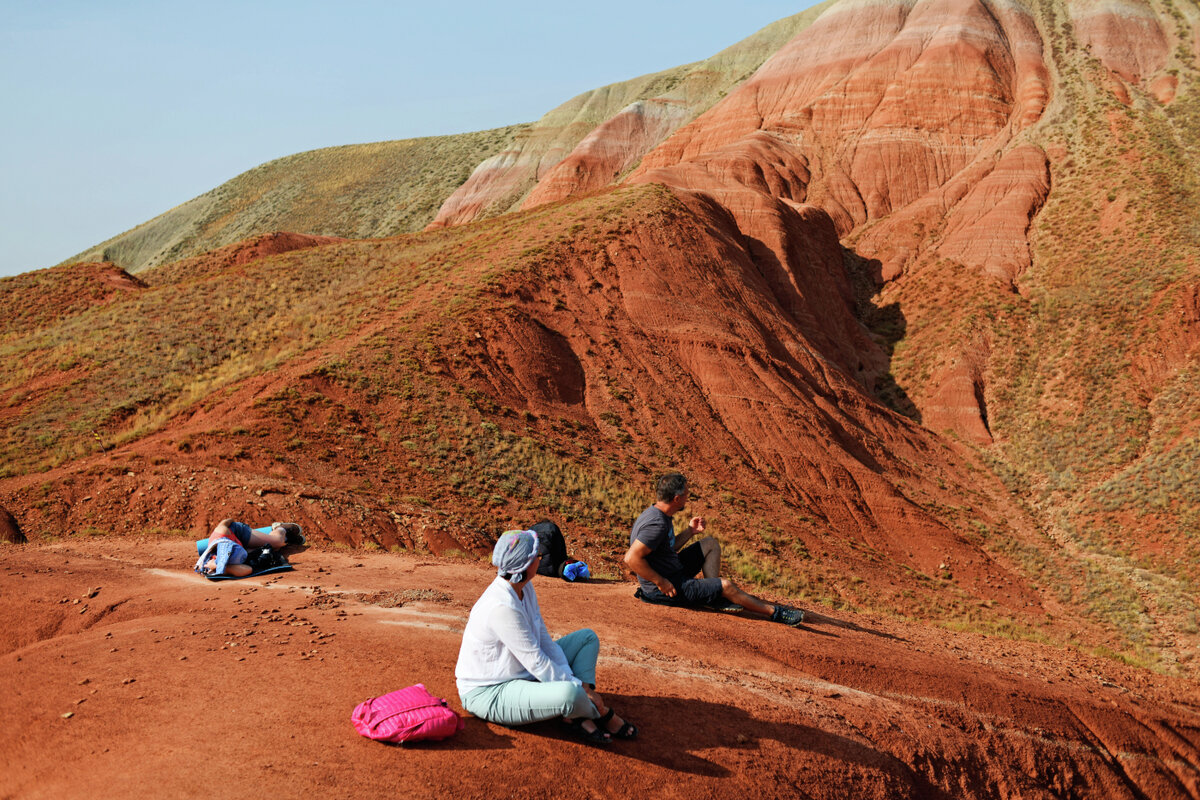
(626, 731)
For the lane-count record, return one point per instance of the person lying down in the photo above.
(228, 546)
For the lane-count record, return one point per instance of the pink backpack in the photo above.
(406, 715)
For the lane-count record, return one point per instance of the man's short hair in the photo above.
(670, 485)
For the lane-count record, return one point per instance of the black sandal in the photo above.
(626, 731)
(596, 736)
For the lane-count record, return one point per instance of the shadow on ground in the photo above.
(674, 732)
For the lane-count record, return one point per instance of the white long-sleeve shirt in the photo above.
(506, 639)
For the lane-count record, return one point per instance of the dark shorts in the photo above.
(690, 591)
(242, 531)
(693, 559)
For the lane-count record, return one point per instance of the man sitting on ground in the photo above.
(668, 574)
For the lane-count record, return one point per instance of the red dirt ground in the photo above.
(177, 687)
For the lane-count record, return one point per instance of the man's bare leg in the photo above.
(731, 592)
(276, 538)
(776, 612)
(236, 570)
(712, 557)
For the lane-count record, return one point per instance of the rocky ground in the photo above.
(127, 675)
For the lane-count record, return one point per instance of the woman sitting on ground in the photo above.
(509, 669)
(230, 541)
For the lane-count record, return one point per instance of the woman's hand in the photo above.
(596, 699)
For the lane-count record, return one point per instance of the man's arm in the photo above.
(635, 559)
(695, 528)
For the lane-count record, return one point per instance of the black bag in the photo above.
(552, 546)
(261, 558)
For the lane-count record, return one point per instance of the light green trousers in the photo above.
(520, 702)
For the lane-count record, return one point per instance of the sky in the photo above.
(116, 111)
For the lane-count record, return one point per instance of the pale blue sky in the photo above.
(116, 111)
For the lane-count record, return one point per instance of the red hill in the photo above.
(914, 305)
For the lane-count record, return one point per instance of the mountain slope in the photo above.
(547, 363)
(919, 306)
(592, 139)
(358, 191)
(1014, 184)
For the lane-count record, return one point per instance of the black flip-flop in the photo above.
(626, 731)
(598, 736)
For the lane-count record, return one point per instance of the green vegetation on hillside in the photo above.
(1090, 373)
(123, 368)
(354, 191)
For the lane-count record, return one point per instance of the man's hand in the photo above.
(635, 559)
(696, 526)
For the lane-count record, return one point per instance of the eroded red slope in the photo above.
(907, 121)
(634, 332)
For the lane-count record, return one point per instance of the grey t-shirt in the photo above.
(655, 530)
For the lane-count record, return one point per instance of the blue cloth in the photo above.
(228, 552)
(576, 570)
(221, 554)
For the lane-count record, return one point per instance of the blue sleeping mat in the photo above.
(268, 571)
